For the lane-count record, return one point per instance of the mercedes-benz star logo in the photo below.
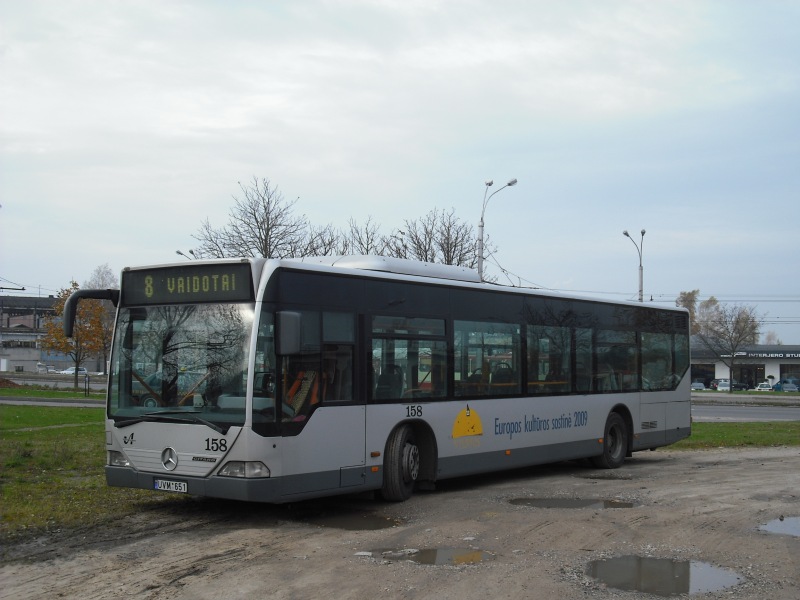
(169, 458)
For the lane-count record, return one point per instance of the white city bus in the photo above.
(279, 380)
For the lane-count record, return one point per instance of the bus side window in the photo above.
(409, 358)
(657, 367)
(549, 366)
(616, 361)
(337, 373)
(338, 336)
(264, 385)
(583, 360)
(303, 387)
(488, 358)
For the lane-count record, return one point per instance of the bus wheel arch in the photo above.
(409, 457)
(617, 440)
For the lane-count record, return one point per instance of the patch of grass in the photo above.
(740, 435)
(51, 472)
(20, 417)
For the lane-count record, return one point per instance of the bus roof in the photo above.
(399, 266)
(412, 268)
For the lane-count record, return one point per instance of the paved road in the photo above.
(67, 402)
(731, 413)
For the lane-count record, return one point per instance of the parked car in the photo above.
(723, 385)
(786, 381)
(698, 386)
(764, 387)
(71, 371)
(713, 384)
(789, 387)
(738, 385)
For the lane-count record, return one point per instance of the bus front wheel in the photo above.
(401, 466)
(615, 444)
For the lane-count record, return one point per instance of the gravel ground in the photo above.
(471, 538)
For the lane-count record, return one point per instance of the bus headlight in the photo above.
(117, 459)
(245, 469)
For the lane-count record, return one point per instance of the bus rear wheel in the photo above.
(615, 444)
(401, 465)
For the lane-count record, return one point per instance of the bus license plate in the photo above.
(164, 485)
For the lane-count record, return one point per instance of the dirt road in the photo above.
(472, 538)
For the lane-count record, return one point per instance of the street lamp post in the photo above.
(489, 183)
(639, 249)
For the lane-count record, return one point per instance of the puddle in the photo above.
(354, 522)
(783, 525)
(569, 503)
(436, 556)
(662, 576)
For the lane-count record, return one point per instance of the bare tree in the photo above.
(366, 239)
(417, 241)
(262, 223)
(456, 241)
(438, 237)
(395, 244)
(319, 241)
(726, 329)
(771, 339)
(103, 278)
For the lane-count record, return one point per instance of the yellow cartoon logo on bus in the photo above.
(468, 423)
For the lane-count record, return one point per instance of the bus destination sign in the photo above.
(187, 284)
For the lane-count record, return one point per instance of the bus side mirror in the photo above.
(288, 333)
(71, 305)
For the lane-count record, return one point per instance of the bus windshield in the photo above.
(181, 362)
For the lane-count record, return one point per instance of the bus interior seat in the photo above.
(343, 380)
(503, 375)
(475, 376)
(390, 382)
(299, 392)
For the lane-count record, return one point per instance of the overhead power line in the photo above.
(670, 298)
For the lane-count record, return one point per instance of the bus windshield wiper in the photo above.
(194, 419)
(166, 416)
(147, 417)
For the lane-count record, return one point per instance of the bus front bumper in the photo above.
(232, 488)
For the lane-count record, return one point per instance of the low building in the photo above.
(22, 321)
(752, 365)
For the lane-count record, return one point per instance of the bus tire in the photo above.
(615, 444)
(401, 465)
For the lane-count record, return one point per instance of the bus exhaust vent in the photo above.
(649, 424)
(399, 266)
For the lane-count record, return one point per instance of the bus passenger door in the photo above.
(328, 453)
(323, 443)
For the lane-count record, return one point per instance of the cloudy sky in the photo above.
(125, 125)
